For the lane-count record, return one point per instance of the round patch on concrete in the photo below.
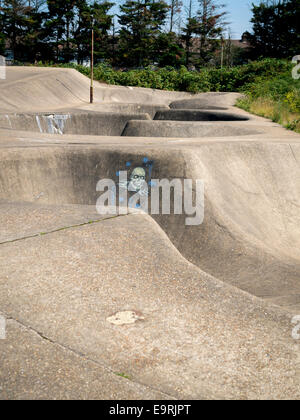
(124, 317)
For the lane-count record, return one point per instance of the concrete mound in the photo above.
(248, 239)
(183, 129)
(28, 89)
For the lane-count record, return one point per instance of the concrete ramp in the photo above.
(56, 88)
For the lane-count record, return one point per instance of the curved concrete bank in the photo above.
(249, 238)
(209, 307)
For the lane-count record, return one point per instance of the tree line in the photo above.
(141, 32)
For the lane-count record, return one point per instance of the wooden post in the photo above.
(92, 68)
(222, 52)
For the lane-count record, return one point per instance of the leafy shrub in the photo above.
(207, 79)
(292, 99)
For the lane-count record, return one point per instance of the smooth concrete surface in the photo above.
(23, 219)
(213, 304)
(198, 337)
(34, 368)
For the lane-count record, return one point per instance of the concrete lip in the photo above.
(81, 123)
(185, 129)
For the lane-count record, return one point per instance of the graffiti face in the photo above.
(137, 179)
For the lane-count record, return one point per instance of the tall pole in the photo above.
(92, 67)
(222, 52)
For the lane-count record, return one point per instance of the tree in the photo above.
(141, 22)
(203, 30)
(2, 43)
(175, 10)
(209, 27)
(102, 24)
(276, 29)
(55, 26)
(169, 50)
(34, 46)
(14, 23)
(188, 31)
(96, 16)
(61, 14)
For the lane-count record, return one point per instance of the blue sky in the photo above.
(239, 16)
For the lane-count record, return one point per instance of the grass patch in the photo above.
(123, 375)
(277, 98)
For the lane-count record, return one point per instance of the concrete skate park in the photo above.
(207, 309)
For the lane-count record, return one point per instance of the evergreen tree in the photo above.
(14, 24)
(103, 22)
(96, 16)
(61, 14)
(169, 50)
(209, 27)
(203, 31)
(141, 22)
(34, 46)
(2, 42)
(276, 29)
(187, 32)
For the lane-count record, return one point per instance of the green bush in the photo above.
(274, 96)
(207, 79)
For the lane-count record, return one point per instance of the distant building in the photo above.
(234, 50)
(243, 42)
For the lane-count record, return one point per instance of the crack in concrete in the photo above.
(36, 235)
(293, 153)
(72, 93)
(81, 355)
